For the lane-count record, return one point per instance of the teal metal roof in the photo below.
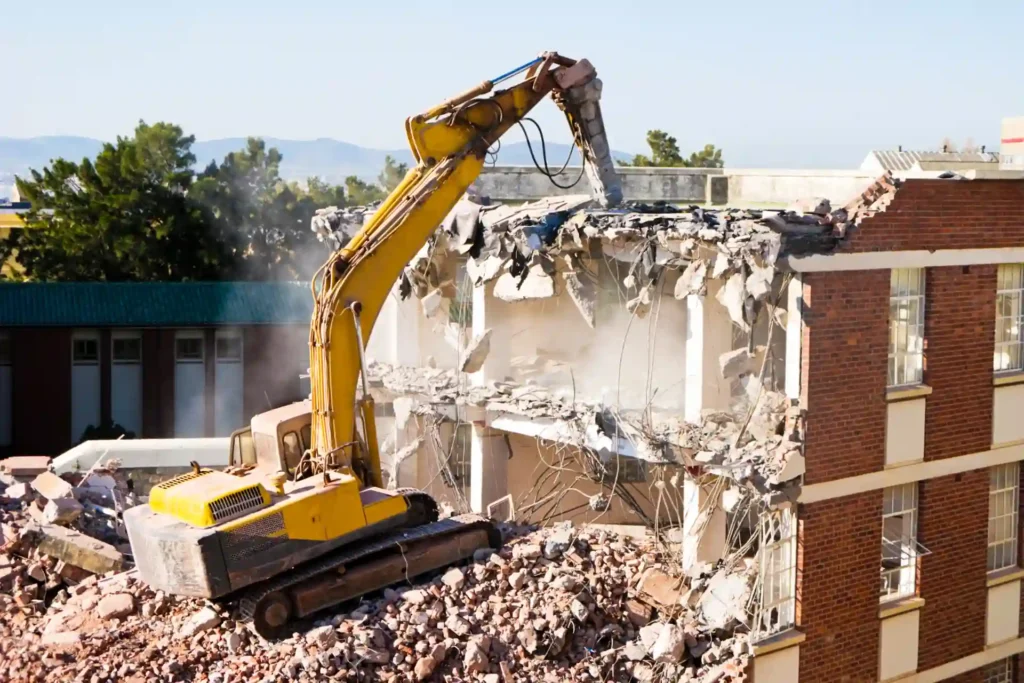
(153, 304)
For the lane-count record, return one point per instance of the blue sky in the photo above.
(788, 83)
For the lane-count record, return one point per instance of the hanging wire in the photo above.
(545, 170)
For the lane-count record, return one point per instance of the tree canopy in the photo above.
(665, 153)
(140, 211)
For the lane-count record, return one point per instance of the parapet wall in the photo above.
(715, 186)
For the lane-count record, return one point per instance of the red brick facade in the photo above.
(960, 314)
(953, 525)
(837, 579)
(845, 337)
(843, 368)
(945, 214)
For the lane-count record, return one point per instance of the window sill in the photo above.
(1002, 576)
(895, 607)
(779, 641)
(1002, 379)
(905, 393)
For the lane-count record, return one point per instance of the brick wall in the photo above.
(960, 312)
(845, 351)
(837, 577)
(953, 524)
(41, 411)
(158, 383)
(945, 214)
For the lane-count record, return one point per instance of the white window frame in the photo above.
(899, 538)
(235, 335)
(190, 334)
(999, 672)
(85, 336)
(776, 563)
(1008, 355)
(1003, 504)
(906, 326)
(120, 335)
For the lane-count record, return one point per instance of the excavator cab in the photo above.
(276, 441)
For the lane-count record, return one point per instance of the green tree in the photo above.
(360, 193)
(124, 216)
(392, 174)
(263, 220)
(665, 153)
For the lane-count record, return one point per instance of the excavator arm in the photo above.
(449, 143)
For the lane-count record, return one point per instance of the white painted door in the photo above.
(189, 384)
(85, 382)
(126, 380)
(6, 389)
(228, 383)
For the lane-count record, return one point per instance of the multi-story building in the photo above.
(894, 329)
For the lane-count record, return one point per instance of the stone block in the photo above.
(78, 549)
(52, 487)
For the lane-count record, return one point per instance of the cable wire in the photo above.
(545, 170)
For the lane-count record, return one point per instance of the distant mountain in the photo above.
(330, 159)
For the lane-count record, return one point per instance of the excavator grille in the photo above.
(237, 503)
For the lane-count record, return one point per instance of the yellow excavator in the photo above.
(310, 524)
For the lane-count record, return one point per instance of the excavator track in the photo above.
(351, 572)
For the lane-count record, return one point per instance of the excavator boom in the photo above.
(449, 143)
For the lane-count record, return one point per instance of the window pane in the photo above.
(229, 348)
(189, 348)
(85, 351)
(127, 349)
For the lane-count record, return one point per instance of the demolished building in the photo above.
(723, 373)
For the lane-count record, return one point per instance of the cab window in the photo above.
(242, 450)
(292, 451)
(306, 438)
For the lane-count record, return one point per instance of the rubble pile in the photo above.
(553, 605)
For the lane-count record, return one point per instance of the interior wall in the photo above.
(623, 361)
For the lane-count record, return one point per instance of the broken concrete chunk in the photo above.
(725, 599)
(721, 266)
(692, 281)
(25, 465)
(733, 296)
(424, 667)
(62, 511)
(759, 284)
(116, 606)
(475, 660)
(203, 620)
(662, 588)
(537, 285)
(403, 407)
(736, 363)
(476, 353)
(454, 578)
(649, 635)
(78, 549)
(52, 487)
(431, 303)
(670, 645)
(640, 305)
(19, 491)
(583, 295)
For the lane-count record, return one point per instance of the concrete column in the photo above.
(488, 467)
(794, 335)
(709, 545)
(708, 335)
